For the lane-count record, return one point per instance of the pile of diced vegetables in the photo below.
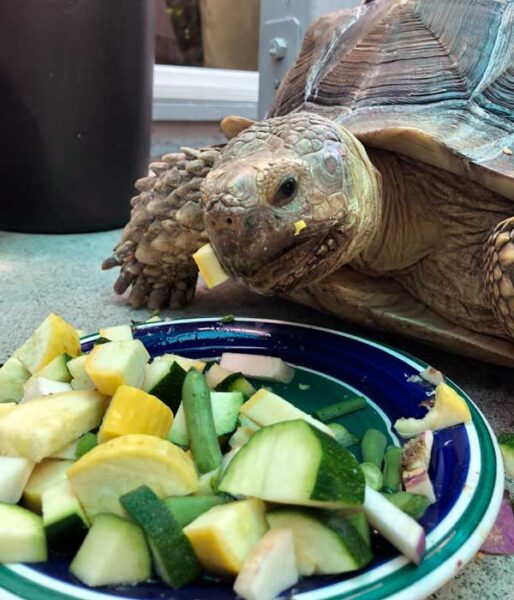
(167, 467)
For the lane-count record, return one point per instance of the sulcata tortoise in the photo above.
(391, 137)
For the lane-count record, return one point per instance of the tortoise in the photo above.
(391, 138)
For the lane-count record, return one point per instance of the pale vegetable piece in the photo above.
(125, 557)
(223, 537)
(267, 408)
(133, 411)
(46, 474)
(216, 375)
(117, 333)
(124, 463)
(269, 368)
(403, 532)
(80, 379)
(14, 474)
(185, 363)
(53, 337)
(299, 226)
(449, 409)
(6, 448)
(209, 266)
(270, 568)
(432, 376)
(68, 452)
(6, 408)
(415, 461)
(242, 434)
(38, 428)
(37, 387)
(13, 376)
(57, 369)
(117, 363)
(22, 535)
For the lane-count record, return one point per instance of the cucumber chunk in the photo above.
(22, 535)
(174, 558)
(185, 509)
(65, 522)
(225, 412)
(113, 552)
(325, 543)
(13, 376)
(57, 370)
(164, 380)
(294, 463)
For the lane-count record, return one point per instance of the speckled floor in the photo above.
(39, 274)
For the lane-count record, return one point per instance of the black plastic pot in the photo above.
(75, 111)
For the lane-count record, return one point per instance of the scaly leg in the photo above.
(165, 229)
(499, 273)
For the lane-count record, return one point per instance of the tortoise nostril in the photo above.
(229, 221)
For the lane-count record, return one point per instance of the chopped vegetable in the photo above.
(392, 469)
(342, 435)
(416, 460)
(80, 379)
(45, 475)
(38, 428)
(133, 411)
(216, 375)
(299, 226)
(223, 537)
(200, 422)
(186, 509)
(449, 409)
(185, 363)
(372, 475)
(373, 444)
(68, 452)
(86, 443)
(269, 569)
(53, 337)
(13, 376)
(404, 533)
(325, 542)
(235, 382)
(117, 333)
(14, 474)
(501, 537)
(173, 556)
(269, 368)
(294, 463)
(339, 409)
(506, 442)
(413, 505)
(115, 467)
(228, 319)
(209, 266)
(432, 376)
(165, 379)
(57, 369)
(125, 558)
(37, 387)
(22, 535)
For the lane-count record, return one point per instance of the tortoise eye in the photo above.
(286, 192)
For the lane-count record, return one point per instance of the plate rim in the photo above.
(419, 588)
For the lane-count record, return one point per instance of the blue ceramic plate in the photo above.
(466, 467)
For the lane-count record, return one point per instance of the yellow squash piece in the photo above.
(223, 537)
(133, 411)
(209, 266)
(117, 363)
(118, 466)
(53, 337)
(185, 363)
(44, 425)
(45, 475)
(299, 226)
(449, 409)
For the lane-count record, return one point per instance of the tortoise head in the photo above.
(276, 174)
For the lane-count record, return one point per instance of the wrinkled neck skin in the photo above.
(252, 222)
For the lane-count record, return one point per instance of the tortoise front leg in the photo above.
(499, 273)
(165, 229)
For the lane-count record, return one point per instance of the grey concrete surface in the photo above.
(40, 274)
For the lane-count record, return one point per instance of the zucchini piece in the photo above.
(225, 412)
(185, 363)
(164, 380)
(223, 537)
(57, 370)
(269, 368)
(65, 523)
(200, 422)
(22, 535)
(13, 376)
(80, 379)
(68, 452)
(325, 543)
(361, 525)
(270, 568)
(372, 475)
(413, 505)
(14, 474)
(46, 474)
(295, 463)
(115, 467)
(113, 552)
(37, 387)
(216, 375)
(342, 435)
(174, 558)
(117, 363)
(186, 509)
(117, 333)
(267, 408)
(235, 382)
(86, 443)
